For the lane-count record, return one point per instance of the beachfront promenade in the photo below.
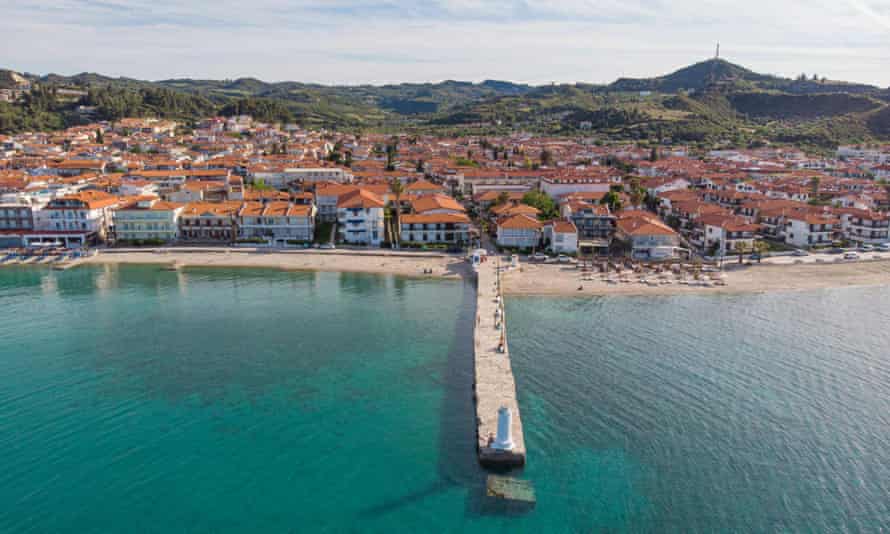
(495, 388)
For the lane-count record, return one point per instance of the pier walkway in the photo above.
(495, 388)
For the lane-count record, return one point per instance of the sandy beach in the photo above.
(566, 280)
(529, 279)
(383, 262)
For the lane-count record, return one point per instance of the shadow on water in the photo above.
(458, 465)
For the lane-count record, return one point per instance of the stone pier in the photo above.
(495, 388)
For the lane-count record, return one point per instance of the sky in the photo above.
(391, 41)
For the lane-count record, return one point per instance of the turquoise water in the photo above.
(756, 413)
(141, 400)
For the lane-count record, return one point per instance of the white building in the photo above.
(360, 218)
(318, 174)
(73, 220)
(865, 227)
(557, 187)
(451, 228)
(519, 231)
(280, 223)
(809, 229)
(147, 218)
(649, 238)
(327, 196)
(561, 236)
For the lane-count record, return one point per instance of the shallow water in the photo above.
(137, 399)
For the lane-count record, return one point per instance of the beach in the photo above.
(566, 280)
(529, 279)
(380, 262)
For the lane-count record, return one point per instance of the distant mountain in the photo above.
(11, 79)
(694, 77)
(718, 72)
(712, 101)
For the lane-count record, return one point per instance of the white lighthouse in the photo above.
(504, 440)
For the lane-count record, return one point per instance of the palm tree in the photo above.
(636, 192)
(397, 189)
(886, 185)
(815, 182)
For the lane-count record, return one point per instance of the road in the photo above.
(822, 257)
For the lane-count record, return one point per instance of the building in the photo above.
(807, 229)
(519, 231)
(280, 223)
(317, 174)
(423, 187)
(327, 196)
(557, 187)
(74, 220)
(561, 236)
(450, 228)
(862, 227)
(360, 218)
(15, 221)
(594, 222)
(209, 222)
(728, 233)
(147, 219)
(436, 203)
(16, 217)
(74, 167)
(648, 237)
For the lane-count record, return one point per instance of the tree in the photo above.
(636, 193)
(503, 198)
(392, 150)
(653, 156)
(100, 137)
(348, 160)
(815, 182)
(420, 166)
(546, 158)
(886, 185)
(543, 202)
(397, 189)
(613, 200)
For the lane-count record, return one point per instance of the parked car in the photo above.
(835, 250)
(539, 257)
(851, 256)
(562, 258)
(800, 253)
(328, 246)
(755, 257)
(866, 248)
(884, 247)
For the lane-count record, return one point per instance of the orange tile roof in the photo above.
(456, 218)
(91, 199)
(360, 199)
(520, 222)
(435, 202)
(639, 223)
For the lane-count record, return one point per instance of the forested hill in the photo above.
(710, 102)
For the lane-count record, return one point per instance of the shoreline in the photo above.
(439, 266)
(542, 280)
(556, 280)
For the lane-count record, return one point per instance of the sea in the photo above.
(137, 399)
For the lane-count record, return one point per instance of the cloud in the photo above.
(382, 41)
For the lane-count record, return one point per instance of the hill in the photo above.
(694, 77)
(709, 102)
